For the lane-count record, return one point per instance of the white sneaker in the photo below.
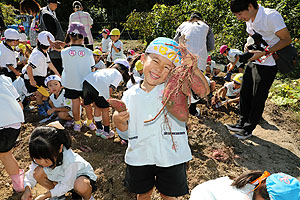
(106, 135)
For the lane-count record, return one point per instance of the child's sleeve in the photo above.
(33, 61)
(117, 81)
(67, 183)
(29, 179)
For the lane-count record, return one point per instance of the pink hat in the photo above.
(77, 27)
(131, 52)
(106, 31)
(223, 49)
(208, 59)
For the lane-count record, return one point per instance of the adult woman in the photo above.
(32, 8)
(85, 19)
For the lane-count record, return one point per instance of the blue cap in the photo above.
(161, 46)
(281, 186)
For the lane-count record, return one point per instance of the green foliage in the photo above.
(8, 13)
(163, 20)
(286, 93)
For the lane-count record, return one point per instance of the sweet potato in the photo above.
(177, 105)
(197, 85)
(117, 104)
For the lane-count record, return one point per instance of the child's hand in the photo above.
(27, 194)
(230, 67)
(120, 120)
(50, 111)
(33, 83)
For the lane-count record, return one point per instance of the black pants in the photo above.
(257, 81)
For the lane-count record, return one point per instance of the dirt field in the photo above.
(274, 147)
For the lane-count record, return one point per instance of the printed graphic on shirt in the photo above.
(72, 52)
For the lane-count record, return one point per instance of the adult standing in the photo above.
(49, 22)
(85, 19)
(199, 40)
(32, 8)
(199, 37)
(258, 77)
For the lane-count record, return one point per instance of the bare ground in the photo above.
(274, 147)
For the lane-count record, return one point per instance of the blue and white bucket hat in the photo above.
(160, 46)
(281, 186)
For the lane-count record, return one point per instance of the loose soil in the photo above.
(273, 147)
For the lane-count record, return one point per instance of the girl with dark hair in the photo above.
(255, 185)
(98, 86)
(56, 167)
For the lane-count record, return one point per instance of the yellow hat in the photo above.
(97, 52)
(238, 78)
(139, 65)
(115, 31)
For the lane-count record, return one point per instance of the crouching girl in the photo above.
(56, 167)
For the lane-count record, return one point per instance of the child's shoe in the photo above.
(105, 135)
(42, 111)
(99, 132)
(91, 126)
(77, 127)
(18, 181)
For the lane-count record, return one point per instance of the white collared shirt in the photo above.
(195, 35)
(7, 57)
(102, 79)
(231, 92)
(267, 22)
(11, 114)
(232, 54)
(151, 143)
(221, 189)
(73, 166)
(39, 63)
(77, 62)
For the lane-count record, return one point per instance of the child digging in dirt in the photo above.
(98, 86)
(56, 167)
(154, 156)
(230, 90)
(11, 116)
(77, 63)
(36, 70)
(252, 185)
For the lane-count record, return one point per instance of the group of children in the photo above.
(157, 152)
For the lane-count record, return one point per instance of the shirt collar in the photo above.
(45, 54)
(258, 14)
(7, 46)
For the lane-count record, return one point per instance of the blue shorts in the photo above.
(170, 181)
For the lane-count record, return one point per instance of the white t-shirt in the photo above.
(105, 44)
(151, 143)
(231, 92)
(62, 102)
(77, 62)
(195, 34)
(113, 55)
(73, 166)
(267, 22)
(137, 80)
(7, 56)
(19, 84)
(232, 53)
(102, 79)
(39, 62)
(11, 111)
(221, 189)
(100, 65)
